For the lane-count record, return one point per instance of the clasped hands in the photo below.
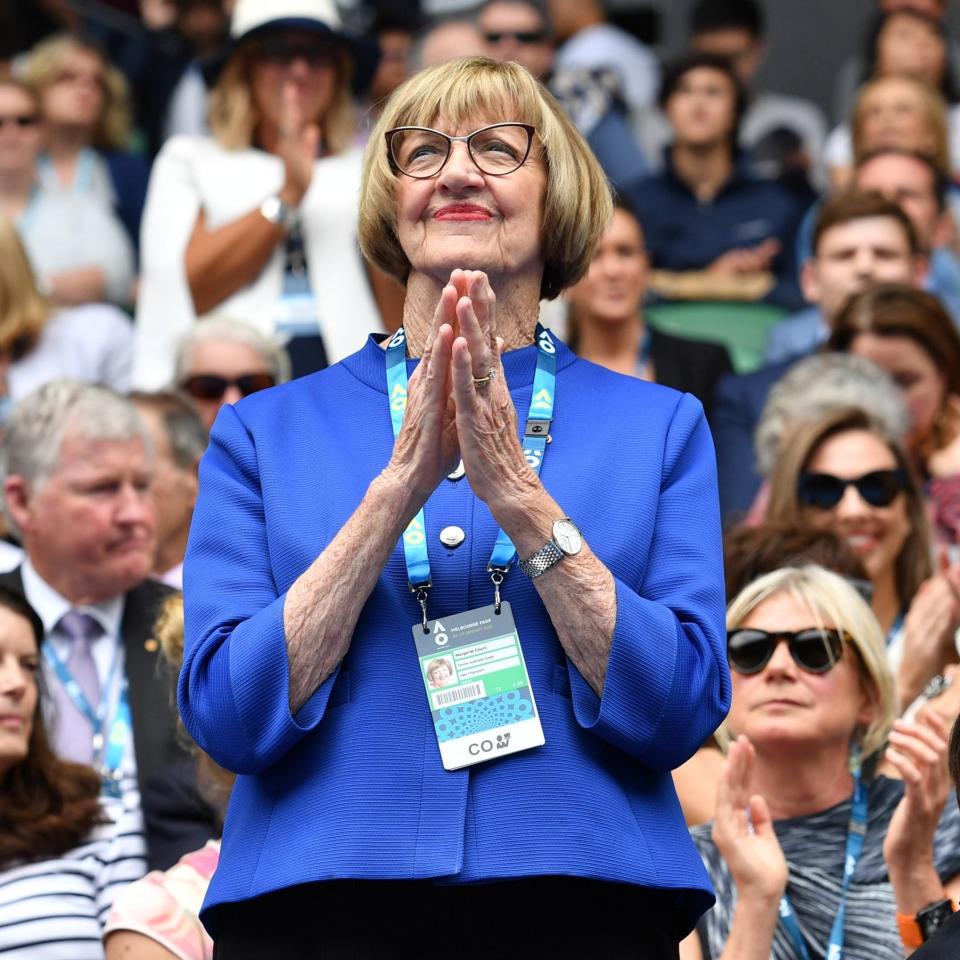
(449, 416)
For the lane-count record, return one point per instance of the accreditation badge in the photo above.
(477, 686)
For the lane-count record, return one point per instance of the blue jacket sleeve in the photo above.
(667, 686)
(233, 689)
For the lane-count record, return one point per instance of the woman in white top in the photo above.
(64, 853)
(260, 220)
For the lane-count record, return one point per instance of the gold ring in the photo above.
(483, 381)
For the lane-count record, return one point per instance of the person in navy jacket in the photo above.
(299, 671)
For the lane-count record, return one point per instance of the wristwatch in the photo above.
(933, 916)
(915, 930)
(567, 542)
(276, 211)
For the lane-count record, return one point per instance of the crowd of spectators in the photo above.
(179, 187)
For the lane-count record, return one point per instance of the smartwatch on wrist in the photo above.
(933, 916)
(918, 929)
(567, 542)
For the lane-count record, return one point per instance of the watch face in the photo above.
(567, 537)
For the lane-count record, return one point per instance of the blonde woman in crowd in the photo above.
(813, 851)
(77, 245)
(85, 103)
(259, 221)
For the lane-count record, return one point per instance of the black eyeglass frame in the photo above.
(528, 127)
(832, 642)
(862, 483)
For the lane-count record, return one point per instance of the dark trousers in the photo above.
(555, 917)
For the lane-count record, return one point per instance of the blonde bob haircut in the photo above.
(932, 109)
(234, 117)
(44, 67)
(23, 309)
(833, 602)
(466, 94)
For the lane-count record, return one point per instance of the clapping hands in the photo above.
(743, 830)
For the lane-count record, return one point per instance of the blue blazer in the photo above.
(352, 786)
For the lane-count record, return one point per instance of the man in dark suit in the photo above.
(860, 239)
(77, 474)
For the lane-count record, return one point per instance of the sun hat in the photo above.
(251, 18)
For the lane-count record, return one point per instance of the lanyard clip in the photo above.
(420, 592)
(537, 428)
(497, 575)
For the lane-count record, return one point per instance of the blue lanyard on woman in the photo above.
(535, 436)
(109, 755)
(856, 832)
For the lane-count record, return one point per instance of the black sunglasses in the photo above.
(824, 491)
(813, 650)
(282, 52)
(21, 120)
(520, 36)
(208, 386)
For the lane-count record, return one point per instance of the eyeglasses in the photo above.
(813, 650)
(281, 52)
(20, 120)
(520, 36)
(208, 386)
(420, 152)
(823, 491)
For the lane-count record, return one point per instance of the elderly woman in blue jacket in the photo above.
(355, 524)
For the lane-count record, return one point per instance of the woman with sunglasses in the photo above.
(908, 333)
(463, 490)
(843, 473)
(813, 852)
(259, 220)
(220, 360)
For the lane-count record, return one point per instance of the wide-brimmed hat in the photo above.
(251, 18)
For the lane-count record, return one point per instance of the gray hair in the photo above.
(221, 327)
(39, 423)
(186, 434)
(817, 385)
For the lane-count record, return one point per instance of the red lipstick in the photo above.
(462, 211)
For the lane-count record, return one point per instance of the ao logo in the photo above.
(440, 637)
(398, 338)
(398, 398)
(533, 457)
(545, 342)
(413, 535)
(834, 952)
(542, 401)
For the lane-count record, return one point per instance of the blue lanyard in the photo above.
(535, 435)
(109, 754)
(644, 355)
(856, 833)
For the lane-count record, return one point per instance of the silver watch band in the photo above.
(546, 557)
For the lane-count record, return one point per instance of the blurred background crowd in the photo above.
(178, 213)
